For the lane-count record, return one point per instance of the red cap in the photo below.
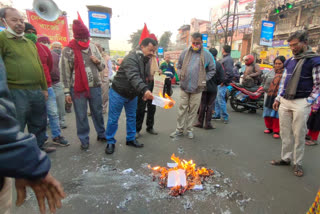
(80, 31)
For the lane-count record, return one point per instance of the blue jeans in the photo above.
(60, 98)
(116, 103)
(52, 111)
(80, 109)
(31, 111)
(220, 103)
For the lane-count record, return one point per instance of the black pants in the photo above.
(206, 107)
(142, 109)
(167, 87)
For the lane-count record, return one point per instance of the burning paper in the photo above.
(162, 102)
(194, 176)
(177, 178)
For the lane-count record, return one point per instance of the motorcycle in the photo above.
(242, 99)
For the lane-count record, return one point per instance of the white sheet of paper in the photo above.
(177, 178)
(198, 187)
(158, 101)
(172, 165)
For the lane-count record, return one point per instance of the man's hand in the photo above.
(275, 105)
(45, 93)
(95, 60)
(147, 96)
(48, 188)
(68, 99)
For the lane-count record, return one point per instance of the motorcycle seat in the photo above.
(253, 89)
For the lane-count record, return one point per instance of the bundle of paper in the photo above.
(165, 103)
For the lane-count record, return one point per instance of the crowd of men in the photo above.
(38, 78)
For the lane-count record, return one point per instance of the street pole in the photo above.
(228, 15)
(234, 12)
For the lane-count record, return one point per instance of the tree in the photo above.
(134, 39)
(165, 40)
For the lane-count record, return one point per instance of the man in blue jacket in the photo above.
(21, 158)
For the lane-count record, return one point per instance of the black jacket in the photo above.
(130, 80)
(20, 156)
(216, 80)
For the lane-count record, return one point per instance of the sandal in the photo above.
(268, 131)
(276, 136)
(280, 163)
(311, 143)
(298, 171)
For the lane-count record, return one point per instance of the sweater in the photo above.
(168, 69)
(22, 62)
(46, 60)
(55, 73)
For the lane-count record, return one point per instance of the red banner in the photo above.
(57, 31)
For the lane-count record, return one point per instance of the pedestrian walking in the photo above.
(80, 65)
(196, 66)
(168, 69)
(271, 82)
(299, 89)
(128, 84)
(220, 109)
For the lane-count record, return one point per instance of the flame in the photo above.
(194, 175)
(170, 102)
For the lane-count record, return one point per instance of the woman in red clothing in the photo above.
(271, 117)
(313, 125)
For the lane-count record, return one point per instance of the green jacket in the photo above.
(22, 62)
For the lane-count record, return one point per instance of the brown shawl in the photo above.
(202, 73)
(274, 85)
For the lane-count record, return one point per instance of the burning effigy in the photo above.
(181, 176)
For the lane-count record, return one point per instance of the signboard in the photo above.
(57, 31)
(280, 43)
(99, 24)
(267, 30)
(205, 40)
(263, 54)
(2, 28)
(160, 51)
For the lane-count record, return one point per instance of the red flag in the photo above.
(144, 34)
(79, 18)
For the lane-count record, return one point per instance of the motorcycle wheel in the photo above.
(235, 103)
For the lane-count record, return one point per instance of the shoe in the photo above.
(209, 126)
(84, 147)
(225, 121)
(176, 134)
(49, 149)
(135, 143)
(110, 148)
(268, 131)
(216, 118)
(102, 139)
(60, 141)
(276, 136)
(138, 135)
(190, 135)
(152, 131)
(63, 126)
(198, 125)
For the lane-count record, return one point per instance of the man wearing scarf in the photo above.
(196, 66)
(47, 64)
(80, 65)
(299, 89)
(25, 76)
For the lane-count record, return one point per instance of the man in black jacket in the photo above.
(221, 103)
(209, 95)
(129, 82)
(21, 158)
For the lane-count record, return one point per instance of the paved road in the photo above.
(238, 152)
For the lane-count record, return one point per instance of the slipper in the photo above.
(268, 131)
(280, 163)
(276, 136)
(298, 171)
(311, 143)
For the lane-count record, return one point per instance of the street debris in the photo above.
(128, 171)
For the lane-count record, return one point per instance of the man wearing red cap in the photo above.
(80, 65)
